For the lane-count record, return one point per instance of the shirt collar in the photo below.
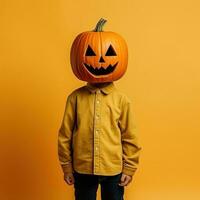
(105, 89)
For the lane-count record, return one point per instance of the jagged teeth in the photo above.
(101, 70)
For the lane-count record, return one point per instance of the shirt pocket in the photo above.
(112, 114)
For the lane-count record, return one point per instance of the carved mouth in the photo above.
(101, 71)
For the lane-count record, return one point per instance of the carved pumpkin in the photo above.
(98, 56)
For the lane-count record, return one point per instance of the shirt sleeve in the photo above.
(65, 136)
(130, 144)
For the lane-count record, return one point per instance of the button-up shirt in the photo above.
(98, 132)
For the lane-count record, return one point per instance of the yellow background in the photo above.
(163, 78)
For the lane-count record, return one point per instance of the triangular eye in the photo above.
(90, 52)
(111, 51)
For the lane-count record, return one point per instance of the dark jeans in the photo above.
(86, 186)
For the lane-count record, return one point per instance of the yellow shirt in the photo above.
(98, 132)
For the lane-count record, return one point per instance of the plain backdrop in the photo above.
(162, 80)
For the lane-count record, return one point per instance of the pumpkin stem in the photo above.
(100, 24)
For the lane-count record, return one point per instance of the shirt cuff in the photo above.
(128, 171)
(67, 168)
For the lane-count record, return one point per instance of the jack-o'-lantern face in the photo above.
(103, 61)
(98, 56)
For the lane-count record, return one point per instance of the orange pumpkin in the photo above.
(99, 56)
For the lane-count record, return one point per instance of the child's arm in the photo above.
(130, 145)
(65, 136)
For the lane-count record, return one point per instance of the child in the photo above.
(97, 141)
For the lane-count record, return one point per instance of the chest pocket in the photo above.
(112, 112)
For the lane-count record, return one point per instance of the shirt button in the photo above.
(98, 101)
(96, 148)
(97, 131)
